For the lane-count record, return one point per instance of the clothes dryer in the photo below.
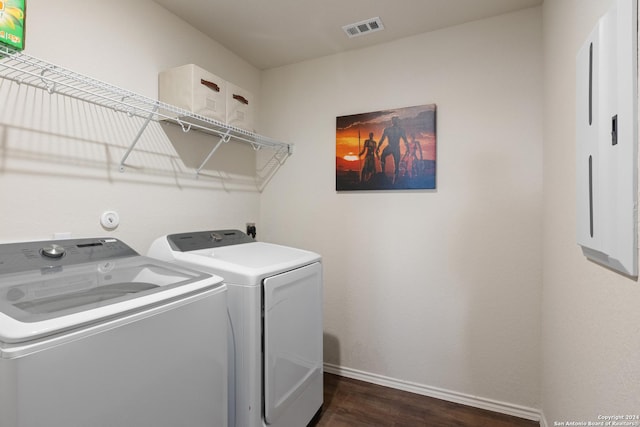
(93, 334)
(275, 307)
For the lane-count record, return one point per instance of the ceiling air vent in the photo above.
(363, 27)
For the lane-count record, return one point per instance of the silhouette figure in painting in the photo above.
(414, 158)
(369, 168)
(393, 134)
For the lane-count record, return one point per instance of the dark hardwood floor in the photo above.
(353, 403)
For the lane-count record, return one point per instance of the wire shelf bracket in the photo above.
(223, 139)
(136, 139)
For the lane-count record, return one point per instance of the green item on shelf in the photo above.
(12, 20)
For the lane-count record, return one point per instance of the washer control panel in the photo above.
(26, 256)
(196, 240)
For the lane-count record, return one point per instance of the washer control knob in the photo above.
(216, 237)
(53, 251)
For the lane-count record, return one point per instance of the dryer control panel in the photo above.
(194, 241)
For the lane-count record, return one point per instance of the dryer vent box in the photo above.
(194, 89)
(607, 140)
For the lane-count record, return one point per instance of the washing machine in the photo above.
(275, 307)
(94, 334)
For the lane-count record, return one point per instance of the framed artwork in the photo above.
(387, 150)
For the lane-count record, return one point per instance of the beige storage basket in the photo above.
(194, 89)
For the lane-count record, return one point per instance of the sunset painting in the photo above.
(387, 150)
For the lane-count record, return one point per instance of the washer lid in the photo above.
(45, 301)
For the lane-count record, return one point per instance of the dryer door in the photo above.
(293, 343)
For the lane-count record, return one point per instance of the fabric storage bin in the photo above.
(240, 105)
(194, 89)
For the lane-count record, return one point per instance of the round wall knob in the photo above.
(110, 220)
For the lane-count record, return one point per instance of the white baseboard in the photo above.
(438, 393)
(543, 420)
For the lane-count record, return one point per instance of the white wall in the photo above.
(59, 158)
(433, 289)
(591, 337)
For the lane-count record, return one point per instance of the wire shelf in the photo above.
(25, 69)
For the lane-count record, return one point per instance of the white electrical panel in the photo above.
(607, 140)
